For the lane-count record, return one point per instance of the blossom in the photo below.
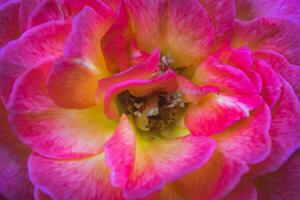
(139, 99)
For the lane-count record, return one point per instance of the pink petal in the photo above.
(270, 33)
(191, 92)
(9, 23)
(245, 191)
(39, 195)
(165, 82)
(221, 13)
(14, 181)
(249, 140)
(212, 181)
(47, 11)
(26, 9)
(49, 129)
(36, 45)
(271, 83)
(227, 78)
(249, 9)
(140, 170)
(283, 183)
(84, 40)
(190, 35)
(86, 178)
(72, 83)
(290, 72)
(284, 131)
(210, 115)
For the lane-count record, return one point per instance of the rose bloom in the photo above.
(150, 99)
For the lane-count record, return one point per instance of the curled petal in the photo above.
(50, 130)
(210, 116)
(139, 169)
(86, 178)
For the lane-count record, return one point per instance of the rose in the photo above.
(229, 78)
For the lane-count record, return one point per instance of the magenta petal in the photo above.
(14, 180)
(245, 191)
(27, 51)
(140, 170)
(283, 183)
(86, 178)
(9, 23)
(284, 131)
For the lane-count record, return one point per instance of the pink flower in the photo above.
(150, 99)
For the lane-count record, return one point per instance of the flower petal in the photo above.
(142, 165)
(84, 39)
(26, 9)
(270, 33)
(14, 181)
(249, 140)
(50, 130)
(242, 191)
(290, 72)
(86, 178)
(165, 82)
(283, 183)
(284, 131)
(227, 78)
(9, 23)
(46, 11)
(210, 115)
(27, 51)
(180, 29)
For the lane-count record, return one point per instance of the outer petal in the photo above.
(46, 11)
(34, 46)
(139, 169)
(249, 9)
(180, 29)
(26, 9)
(284, 131)
(210, 115)
(270, 33)
(14, 181)
(283, 183)
(9, 23)
(83, 179)
(50, 130)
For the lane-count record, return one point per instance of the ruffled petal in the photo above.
(165, 82)
(84, 39)
(9, 23)
(50, 130)
(87, 178)
(14, 181)
(284, 131)
(26, 9)
(180, 29)
(142, 165)
(210, 115)
(270, 33)
(28, 51)
(283, 183)
(227, 78)
(290, 72)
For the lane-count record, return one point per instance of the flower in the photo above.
(139, 99)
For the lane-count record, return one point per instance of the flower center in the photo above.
(156, 112)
